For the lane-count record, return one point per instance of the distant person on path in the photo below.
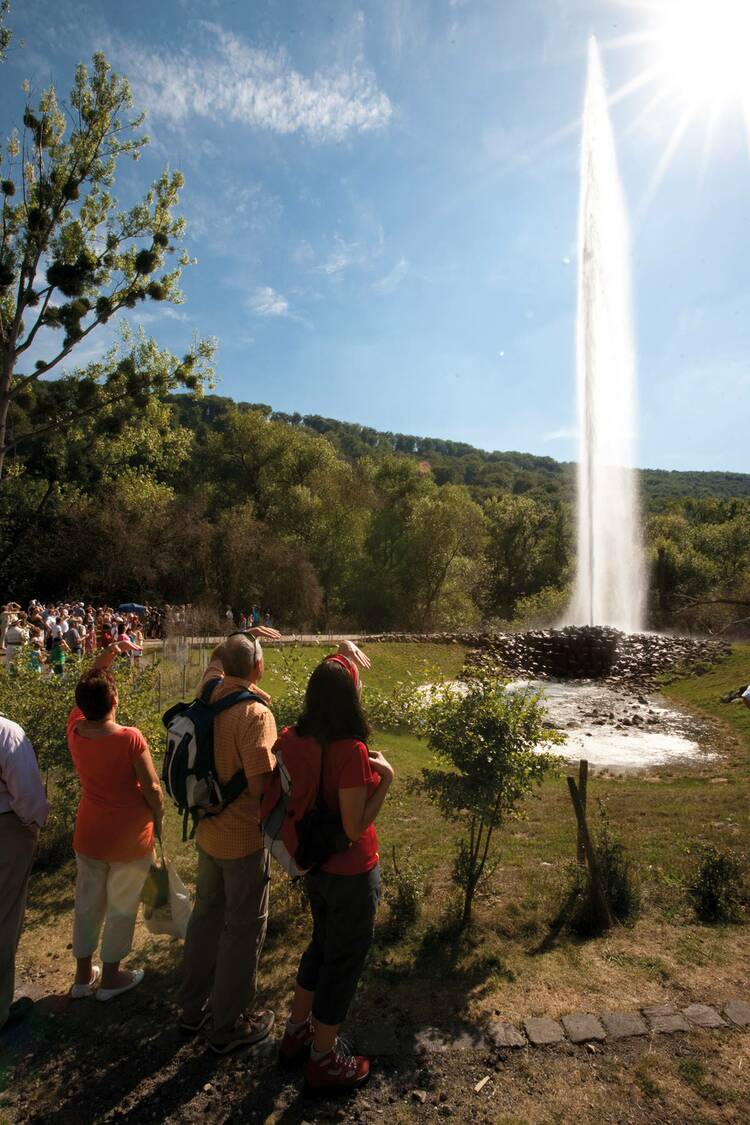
(344, 892)
(57, 653)
(121, 806)
(229, 617)
(23, 811)
(228, 925)
(256, 616)
(73, 638)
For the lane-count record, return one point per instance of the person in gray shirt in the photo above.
(23, 811)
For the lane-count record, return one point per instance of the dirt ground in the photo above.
(127, 1062)
(78, 1062)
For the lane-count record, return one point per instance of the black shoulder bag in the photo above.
(320, 833)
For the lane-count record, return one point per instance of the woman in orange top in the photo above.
(121, 806)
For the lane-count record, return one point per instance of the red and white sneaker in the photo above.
(336, 1072)
(294, 1049)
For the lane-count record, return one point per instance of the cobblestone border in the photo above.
(578, 1028)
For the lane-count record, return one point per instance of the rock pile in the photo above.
(595, 652)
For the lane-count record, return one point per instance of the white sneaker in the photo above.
(80, 991)
(105, 994)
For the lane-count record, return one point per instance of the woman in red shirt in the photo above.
(121, 805)
(344, 892)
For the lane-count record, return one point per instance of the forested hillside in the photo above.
(330, 524)
(454, 462)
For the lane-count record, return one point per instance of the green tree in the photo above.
(445, 534)
(70, 259)
(528, 549)
(250, 564)
(81, 454)
(486, 740)
(701, 563)
(382, 574)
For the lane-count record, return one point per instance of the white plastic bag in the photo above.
(172, 918)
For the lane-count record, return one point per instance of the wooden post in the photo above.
(597, 890)
(583, 780)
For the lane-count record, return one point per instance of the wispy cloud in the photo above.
(343, 255)
(393, 278)
(231, 81)
(267, 303)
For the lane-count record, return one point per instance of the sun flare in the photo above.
(705, 50)
(694, 61)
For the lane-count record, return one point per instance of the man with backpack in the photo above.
(228, 924)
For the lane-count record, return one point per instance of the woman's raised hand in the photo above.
(350, 650)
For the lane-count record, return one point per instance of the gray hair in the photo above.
(240, 655)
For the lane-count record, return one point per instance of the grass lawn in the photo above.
(429, 975)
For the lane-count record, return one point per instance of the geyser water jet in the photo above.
(610, 582)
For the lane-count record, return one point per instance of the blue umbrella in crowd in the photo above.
(131, 607)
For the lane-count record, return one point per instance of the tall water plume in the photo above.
(610, 578)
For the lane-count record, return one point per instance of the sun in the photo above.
(694, 60)
(705, 50)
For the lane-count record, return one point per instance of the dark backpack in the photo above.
(189, 771)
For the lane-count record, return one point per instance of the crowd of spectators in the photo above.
(50, 633)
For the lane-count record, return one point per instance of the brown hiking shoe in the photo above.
(248, 1030)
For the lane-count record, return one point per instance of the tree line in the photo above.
(243, 507)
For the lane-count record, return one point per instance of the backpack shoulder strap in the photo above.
(205, 695)
(181, 708)
(236, 697)
(237, 783)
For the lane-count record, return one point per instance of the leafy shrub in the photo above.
(406, 891)
(618, 879)
(716, 888)
(487, 740)
(403, 708)
(294, 674)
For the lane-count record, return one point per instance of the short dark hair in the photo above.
(95, 693)
(333, 709)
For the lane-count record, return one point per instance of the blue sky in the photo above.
(382, 198)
